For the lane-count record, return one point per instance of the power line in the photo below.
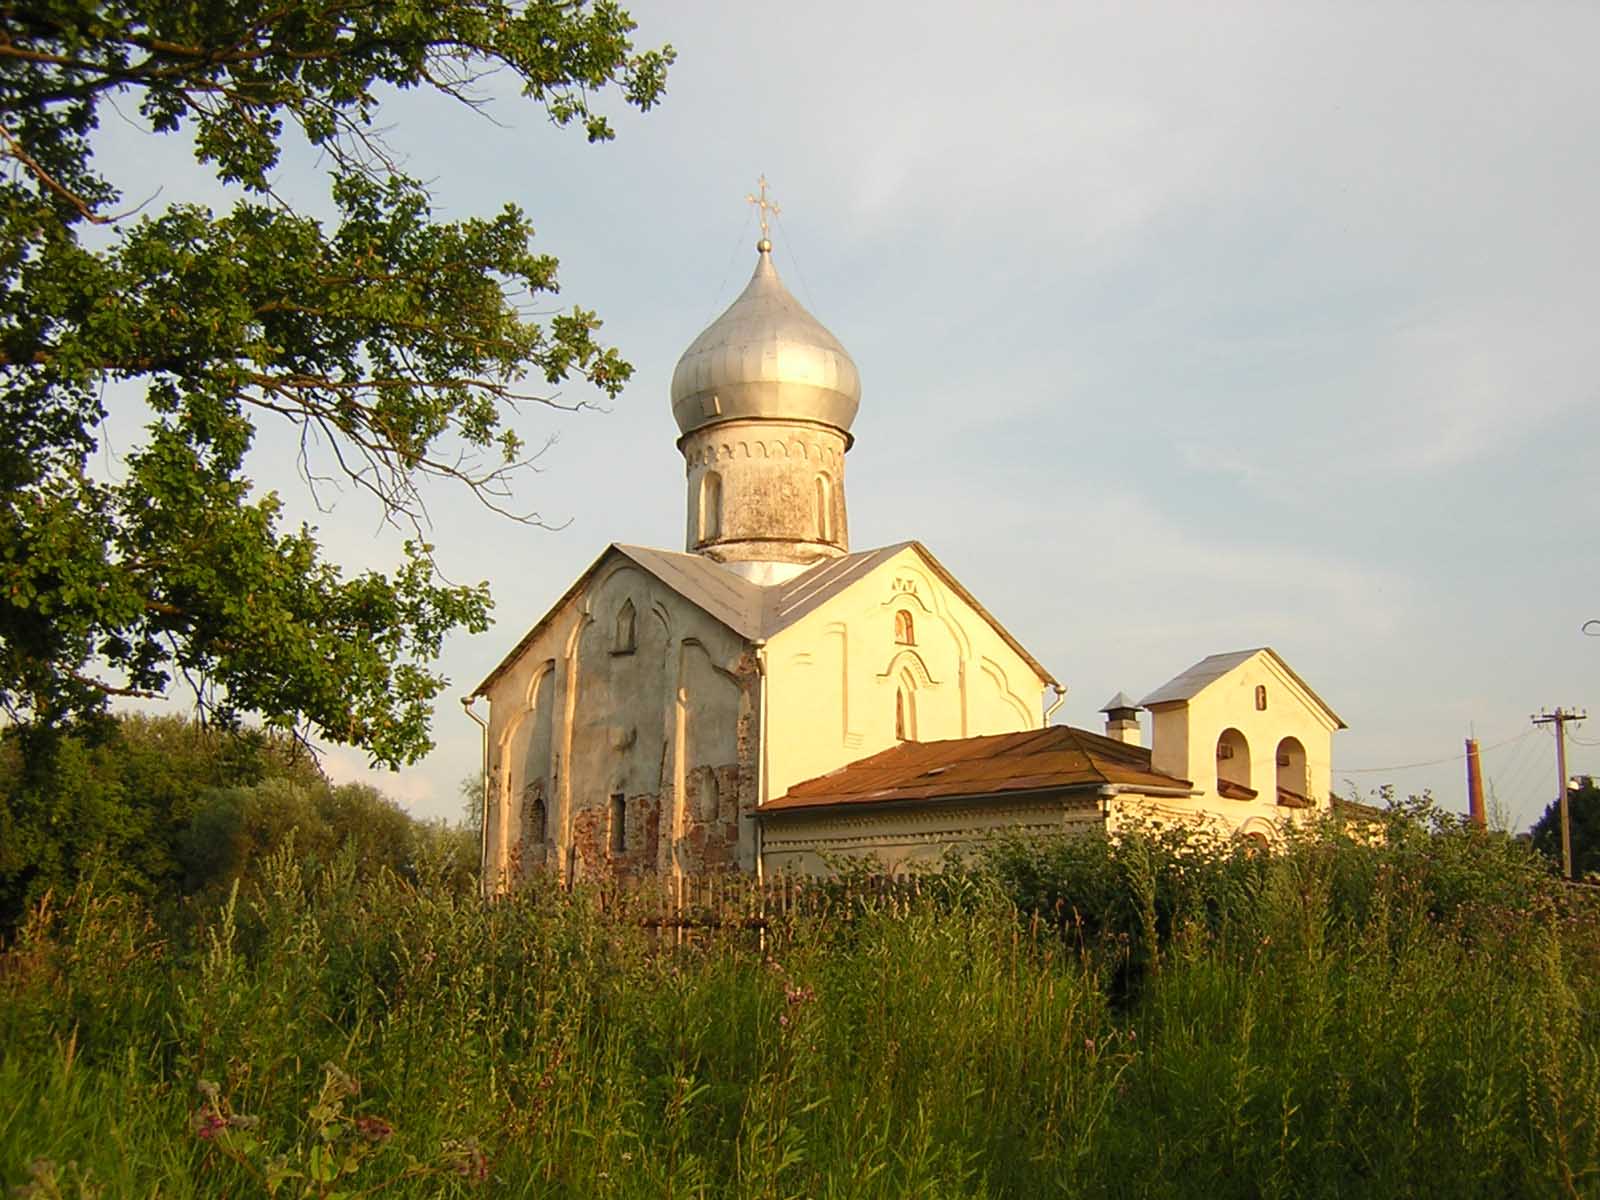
(1434, 762)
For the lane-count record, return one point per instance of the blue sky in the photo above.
(1182, 329)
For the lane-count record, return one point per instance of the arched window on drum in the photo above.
(710, 516)
(824, 487)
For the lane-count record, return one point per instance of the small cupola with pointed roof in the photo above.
(764, 399)
(1122, 719)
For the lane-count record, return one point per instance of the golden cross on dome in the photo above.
(766, 206)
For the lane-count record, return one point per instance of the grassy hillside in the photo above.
(1156, 1018)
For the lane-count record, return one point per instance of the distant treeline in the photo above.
(167, 809)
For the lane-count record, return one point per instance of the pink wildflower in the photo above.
(373, 1129)
(207, 1122)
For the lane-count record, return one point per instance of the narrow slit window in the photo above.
(619, 823)
(710, 506)
(824, 509)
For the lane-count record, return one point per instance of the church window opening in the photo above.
(1233, 762)
(905, 633)
(619, 823)
(710, 506)
(623, 642)
(533, 820)
(824, 509)
(1261, 697)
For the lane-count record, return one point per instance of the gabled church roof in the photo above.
(751, 610)
(1208, 670)
(1054, 759)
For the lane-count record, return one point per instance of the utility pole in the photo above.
(1559, 719)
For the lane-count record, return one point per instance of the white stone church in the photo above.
(768, 700)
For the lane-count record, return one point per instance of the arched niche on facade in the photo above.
(1233, 758)
(905, 707)
(625, 637)
(824, 501)
(1258, 836)
(708, 798)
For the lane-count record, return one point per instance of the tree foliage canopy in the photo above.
(1583, 814)
(163, 808)
(394, 342)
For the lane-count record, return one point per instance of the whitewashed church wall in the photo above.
(898, 652)
(624, 734)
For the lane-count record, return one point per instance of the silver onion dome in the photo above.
(765, 357)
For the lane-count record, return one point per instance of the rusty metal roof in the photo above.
(1058, 758)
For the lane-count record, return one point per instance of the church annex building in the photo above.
(768, 700)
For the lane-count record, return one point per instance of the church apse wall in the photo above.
(621, 738)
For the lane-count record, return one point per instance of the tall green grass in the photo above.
(1157, 1017)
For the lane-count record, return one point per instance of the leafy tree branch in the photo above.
(398, 343)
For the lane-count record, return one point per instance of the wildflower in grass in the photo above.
(207, 1122)
(467, 1160)
(373, 1129)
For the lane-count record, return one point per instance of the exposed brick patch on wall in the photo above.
(592, 839)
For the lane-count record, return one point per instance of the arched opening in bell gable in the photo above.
(1233, 764)
(1294, 786)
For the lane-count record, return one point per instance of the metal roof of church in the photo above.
(1054, 759)
(755, 611)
